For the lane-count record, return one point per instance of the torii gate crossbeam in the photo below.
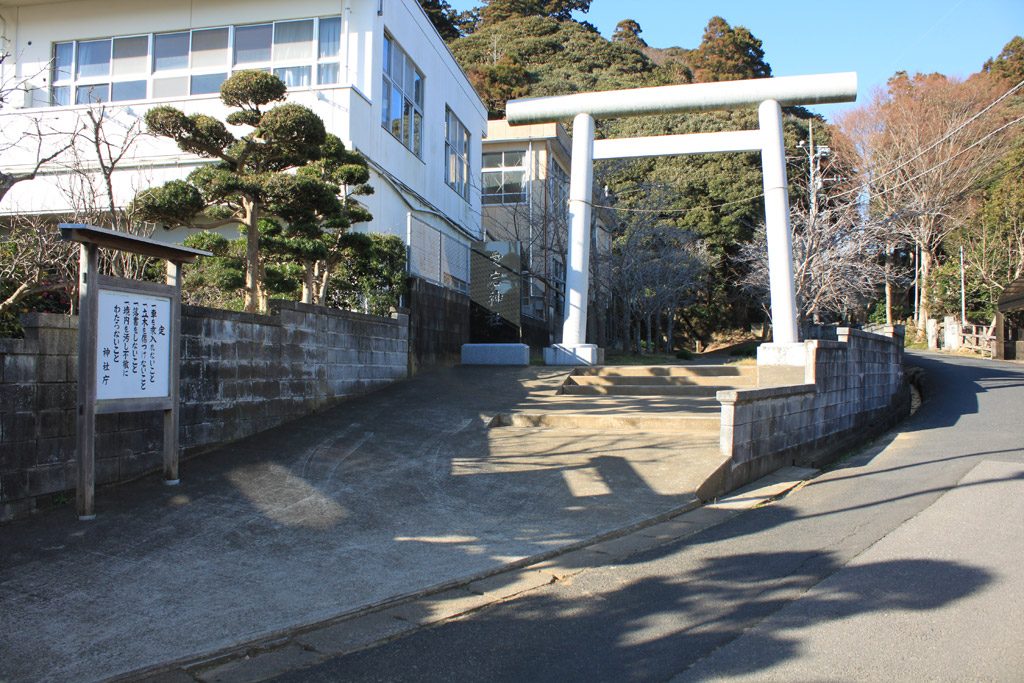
(768, 94)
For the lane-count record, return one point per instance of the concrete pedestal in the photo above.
(781, 364)
(931, 328)
(574, 354)
(495, 354)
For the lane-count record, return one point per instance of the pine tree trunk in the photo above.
(671, 343)
(307, 282)
(657, 333)
(647, 348)
(252, 256)
(625, 326)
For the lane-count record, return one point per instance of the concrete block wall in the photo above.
(438, 325)
(851, 388)
(240, 374)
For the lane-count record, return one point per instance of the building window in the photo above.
(402, 101)
(504, 177)
(197, 62)
(456, 152)
(559, 191)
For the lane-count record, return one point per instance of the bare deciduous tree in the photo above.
(36, 140)
(837, 262)
(539, 223)
(34, 260)
(926, 144)
(655, 269)
(106, 139)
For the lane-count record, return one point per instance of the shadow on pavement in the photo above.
(649, 629)
(384, 495)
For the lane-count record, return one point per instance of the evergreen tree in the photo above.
(252, 176)
(551, 57)
(447, 21)
(628, 31)
(1009, 65)
(728, 53)
(495, 11)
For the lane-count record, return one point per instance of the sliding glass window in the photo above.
(302, 53)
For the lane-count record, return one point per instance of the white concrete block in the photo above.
(495, 354)
(574, 354)
(782, 354)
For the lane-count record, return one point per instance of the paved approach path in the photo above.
(383, 496)
(903, 562)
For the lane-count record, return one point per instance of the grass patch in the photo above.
(648, 359)
(747, 349)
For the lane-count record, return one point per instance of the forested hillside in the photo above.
(513, 48)
(928, 166)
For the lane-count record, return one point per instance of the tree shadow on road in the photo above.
(651, 628)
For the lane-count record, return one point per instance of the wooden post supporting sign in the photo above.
(129, 346)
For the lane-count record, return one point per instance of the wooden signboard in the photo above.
(129, 346)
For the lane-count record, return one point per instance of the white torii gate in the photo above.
(769, 94)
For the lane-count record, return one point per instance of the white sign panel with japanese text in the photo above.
(133, 345)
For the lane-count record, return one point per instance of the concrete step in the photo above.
(634, 389)
(683, 423)
(609, 404)
(662, 380)
(691, 371)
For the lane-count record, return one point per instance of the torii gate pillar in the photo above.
(769, 94)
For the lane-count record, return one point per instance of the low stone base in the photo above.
(495, 354)
(781, 364)
(577, 354)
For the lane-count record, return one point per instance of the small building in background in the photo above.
(525, 197)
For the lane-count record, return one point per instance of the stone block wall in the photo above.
(240, 374)
(851, 389)
(438, 325)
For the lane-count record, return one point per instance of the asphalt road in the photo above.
(903, 561)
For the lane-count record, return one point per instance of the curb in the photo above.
(308, 644)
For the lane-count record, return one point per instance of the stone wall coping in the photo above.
(49, 320)
(222, 314)
(826, 344)
(277, 305)
(890, 332)
(750, 395)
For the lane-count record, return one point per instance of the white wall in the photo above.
(444, 85)
(351, 111)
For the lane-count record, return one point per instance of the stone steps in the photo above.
(666, 399)
(629, 389)
(691, 371)
(671, 380)
(661, 380)
(682, 423)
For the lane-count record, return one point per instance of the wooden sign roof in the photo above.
(115, 239)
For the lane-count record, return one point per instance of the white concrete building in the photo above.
(375, 71)
(525, 194)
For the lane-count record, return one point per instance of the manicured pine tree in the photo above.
(253, 174)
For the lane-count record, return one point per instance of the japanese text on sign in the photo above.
(133, 345)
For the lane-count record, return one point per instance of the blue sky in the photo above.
(872, 37)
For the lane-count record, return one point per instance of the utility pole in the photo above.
(814, 156)
(917, 283)
(813, 161)
(963, 290)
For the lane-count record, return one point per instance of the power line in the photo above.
(680, 211)
(951, 158)
(933, 145)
